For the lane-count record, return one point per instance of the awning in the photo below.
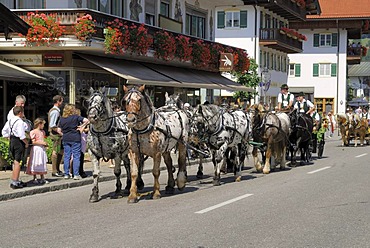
(132, 71)
(307, 90)
(14, 73)
(197, 79)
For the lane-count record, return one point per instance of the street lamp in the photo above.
(265, 76)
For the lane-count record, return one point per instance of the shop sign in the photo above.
(53, 59)
(22, 59)
(226, 62)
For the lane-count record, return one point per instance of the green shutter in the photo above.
(297, 68)
(315, 70)
(220, 19)
(334, 39)
(316, 40)
(334, 70)
(243, 19)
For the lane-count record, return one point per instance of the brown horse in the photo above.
(360, 130)
(343, 124)
(155, 133)
(271, 130)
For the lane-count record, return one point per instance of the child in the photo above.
(38, 158)
(14, 129)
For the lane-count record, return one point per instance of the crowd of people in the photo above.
(27, 144)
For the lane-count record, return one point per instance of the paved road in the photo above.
(325, 204)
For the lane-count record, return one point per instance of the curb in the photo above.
(68, 184)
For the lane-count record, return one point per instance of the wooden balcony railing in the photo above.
(271, 37)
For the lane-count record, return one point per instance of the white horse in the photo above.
(222, 131)
(107, 139)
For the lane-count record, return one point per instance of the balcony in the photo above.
(272, 38)
(285, 8)
(354, 55)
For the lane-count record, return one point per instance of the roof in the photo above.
(353, 9)
(359, 70)
(9, 20)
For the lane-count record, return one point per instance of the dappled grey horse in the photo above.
(107, 139)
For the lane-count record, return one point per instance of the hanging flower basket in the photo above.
(137, 40)
(85, 28)
(114, 36)
(201, 53)
(44, 30)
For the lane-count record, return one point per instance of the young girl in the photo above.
(38, 158)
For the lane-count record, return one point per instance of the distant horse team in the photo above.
(225, 135)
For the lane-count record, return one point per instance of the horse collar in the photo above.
(148, 128)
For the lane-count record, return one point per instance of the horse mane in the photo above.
(341, 116)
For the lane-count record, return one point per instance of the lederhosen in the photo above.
(54, 136)
(16, 146)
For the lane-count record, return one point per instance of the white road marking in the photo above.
(359, 156)
(324, 168)
(223, 204)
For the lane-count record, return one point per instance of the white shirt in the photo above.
(14, 127)
(309, 105)
(285, 103)
(315, 115)
(10, 114)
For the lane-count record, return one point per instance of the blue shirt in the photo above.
(69, 128)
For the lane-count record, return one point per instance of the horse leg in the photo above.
(266, 168)
(216, 177)
(200, 168)
(94, 197)
(117, 173)
(170, 188)
(240, 155)
(139, 181)
(257, 162)
(156, 172)
(181, 174)
(134, 157)
(219, 159)
(283, 159)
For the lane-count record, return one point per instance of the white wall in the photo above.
(325, 87)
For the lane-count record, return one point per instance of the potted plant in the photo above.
(201, 53)
(137, 39)
(114, 36)
(164, 45)
(85, 27)
(44, 30)
(183, 49)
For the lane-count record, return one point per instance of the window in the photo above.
(295, 70)
(232, 19)
(8, 3)
(325, 40)
(150, 12)
(104, 6)
(324, 104)
(195, 24)
(117, 8)
(30, 4)
(165, 8)
(325, 70)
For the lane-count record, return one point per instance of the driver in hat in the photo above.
(285, 98)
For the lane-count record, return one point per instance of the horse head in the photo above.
(137, 104)
(99, 107)
(173, 101)
(257, 111)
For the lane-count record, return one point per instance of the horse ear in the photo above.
(125, 89)
(166, 95)
(91, 91)
(103, 90)
(142, 88)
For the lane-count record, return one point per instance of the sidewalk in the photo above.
(59, 183)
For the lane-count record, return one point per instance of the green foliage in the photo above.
(249, 79)
(4, 149)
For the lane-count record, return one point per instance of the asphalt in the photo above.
(59, 183)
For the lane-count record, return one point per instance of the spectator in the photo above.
(38, 158)
(20, 100)
(70, 125)
(331, 124)
(16, 131)
(83, 147)
(55, 134)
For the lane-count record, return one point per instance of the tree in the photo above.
(249, 79)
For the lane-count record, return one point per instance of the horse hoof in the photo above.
(216, 183)
(238, 179)
(266, 172)
(132, 200)
(156, 196)
(94, 198)
(170, 190)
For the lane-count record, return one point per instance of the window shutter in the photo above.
(220, 19)
(334, 70)
(334, 39)
(315, 70)
(243, 19)
(316, 40)
(297, 68)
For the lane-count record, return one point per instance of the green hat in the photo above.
(284, 86)
(301, 94)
